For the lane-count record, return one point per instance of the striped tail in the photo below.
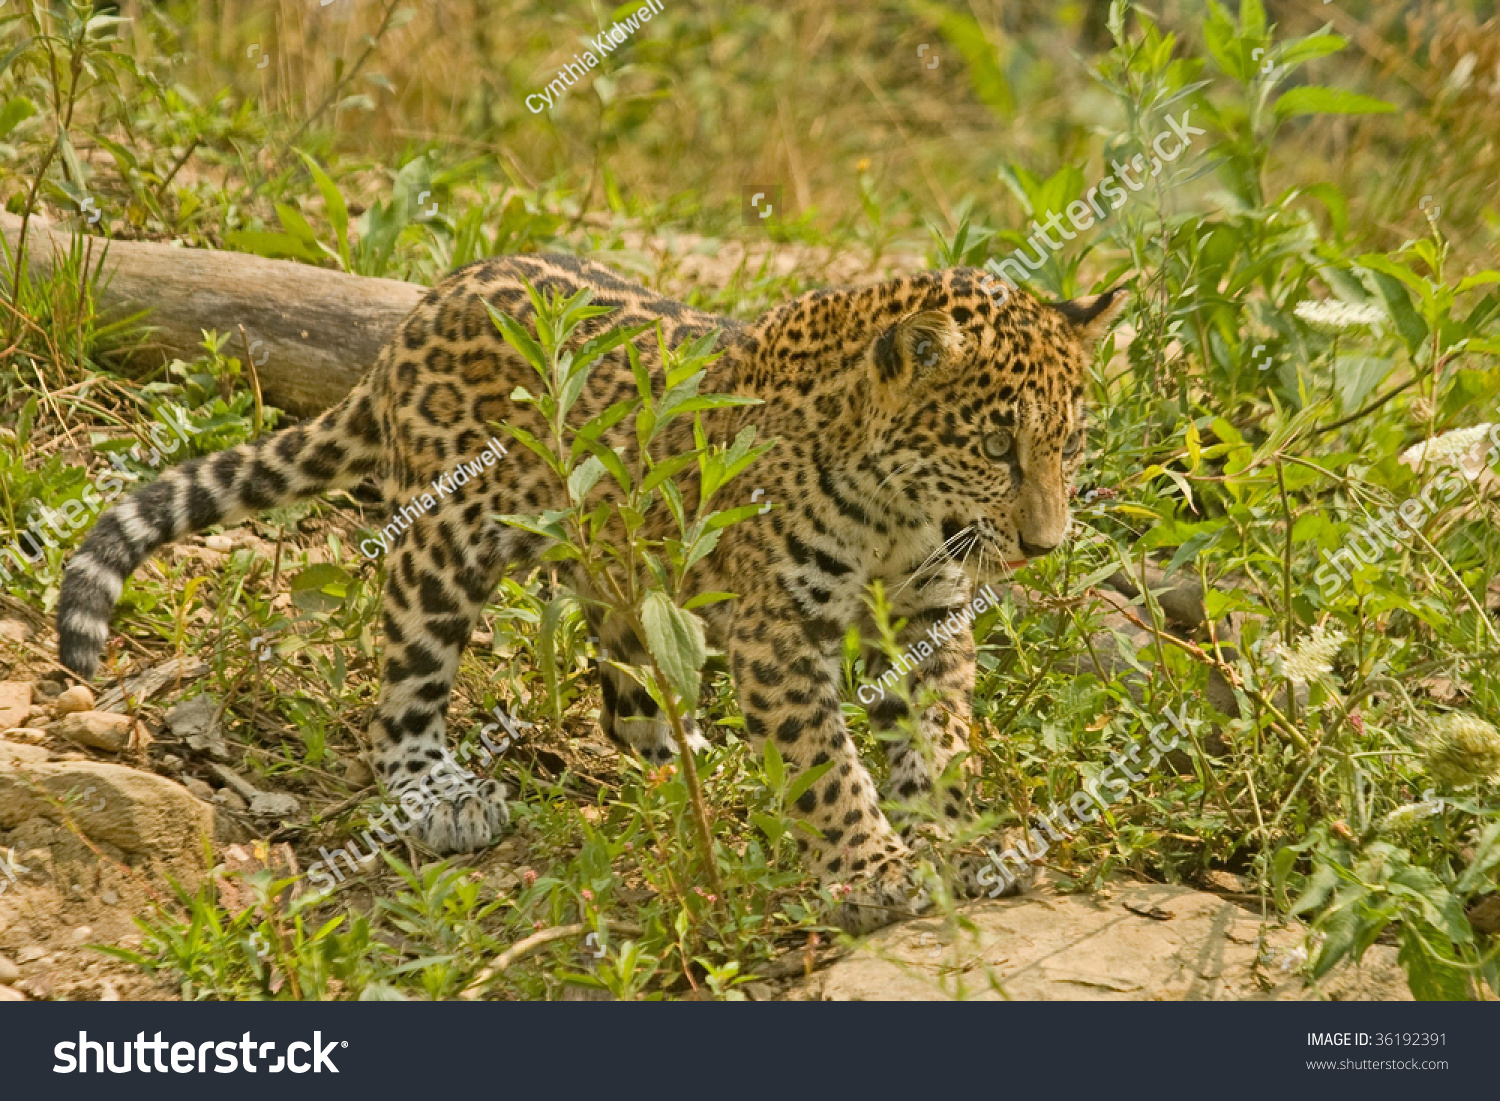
(336, 450)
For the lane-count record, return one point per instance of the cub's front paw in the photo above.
(894, 891)
(464, 815)
(999, 870)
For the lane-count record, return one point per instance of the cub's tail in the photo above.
(336, 450)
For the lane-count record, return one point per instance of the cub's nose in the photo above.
(1035, 550)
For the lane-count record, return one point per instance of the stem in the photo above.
(695, 790)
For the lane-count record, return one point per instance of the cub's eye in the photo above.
(997, 445)
(1074, 445)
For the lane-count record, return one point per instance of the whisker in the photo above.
(945, 550)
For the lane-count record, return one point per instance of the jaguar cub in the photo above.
(928, 433)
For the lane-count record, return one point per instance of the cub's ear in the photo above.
(1092, 316)
(911, 348)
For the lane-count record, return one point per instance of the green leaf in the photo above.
(769, 825)
(806, 779)
(333, 206)
(703, 546)
(1316, 891)
(1398, 304)
(519, 339)
(715, 520)
(323, 575)
(1431, 980)
(1314, 99)
(299, 227)
(775, 767)
(274, 246)
(709, 598)
(597, 346)
(666, 469)
(611, 461)
(585, 475)
(1339, 932)
(1310, 48)
(1484, 278)
(675, 639)
(17, 110)
(1486, 858)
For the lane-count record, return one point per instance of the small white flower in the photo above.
(1409, 813)
(1464, 448)
(1312, 659)
(1332, 316)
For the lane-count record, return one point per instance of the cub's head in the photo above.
(977, 401)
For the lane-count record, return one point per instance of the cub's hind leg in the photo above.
(630, 717)
(438, 576)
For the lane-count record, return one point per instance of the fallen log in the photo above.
(318, 329)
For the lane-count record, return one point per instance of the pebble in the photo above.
(98, 729)
(231, 799)
(14, 630)
(9, 972)
(26, 735)
(357, 772)
(273, 804)
(83, 933)
(15, 703)
(199, 789)
(77, 698)
(109, 898)
(9, 994)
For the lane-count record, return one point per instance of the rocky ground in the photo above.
(89, 838)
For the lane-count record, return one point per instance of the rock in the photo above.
(48, 689)
(270, 804)
(37, 986)
(14, 630)
(77, 698)
(28, 735)
(1147, 942)
(98, 729)
(357, 773)
(264, 803)
(109, 898)
(82, 933)
(199, 789)
(193, 721)
(15, 703)
(31, 953)
(228, 797)
(236, 783)
(221, 543)
(108, 993)
(138, 812)
(9, 972)
(9, 994)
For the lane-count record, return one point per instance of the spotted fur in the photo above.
(927, 435)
